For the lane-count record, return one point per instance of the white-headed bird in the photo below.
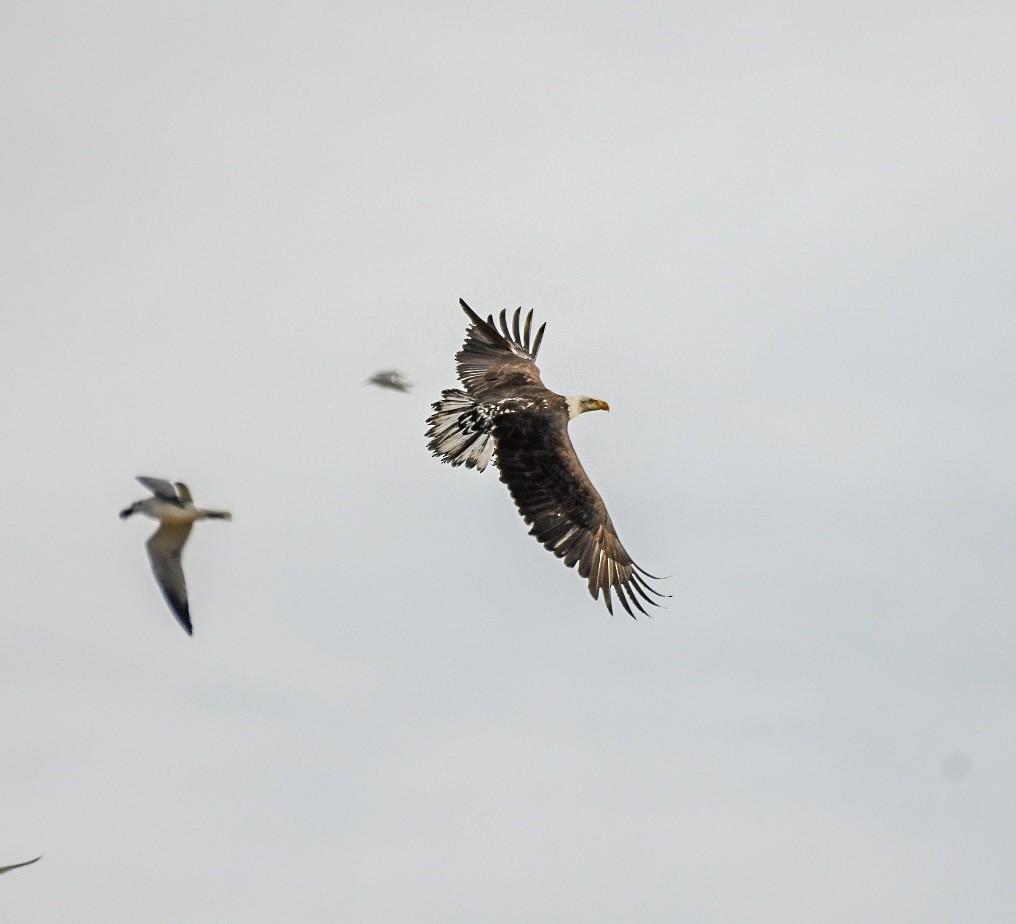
(172, 506)
(506, 414)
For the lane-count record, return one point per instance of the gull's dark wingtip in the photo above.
(182, 614)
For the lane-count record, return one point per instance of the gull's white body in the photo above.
(172, 506)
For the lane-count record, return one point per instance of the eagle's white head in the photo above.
(579, 404)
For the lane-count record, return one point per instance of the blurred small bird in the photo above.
(390, 378)
(7, 869)
(176, 512)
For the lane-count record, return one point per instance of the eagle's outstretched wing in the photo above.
(556, 498)
(492, 361)
(494, 366)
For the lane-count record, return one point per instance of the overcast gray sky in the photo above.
(778, 238)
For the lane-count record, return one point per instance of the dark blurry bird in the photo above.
(390, 378)
(7, 869)
(507, 414)
(176, 512)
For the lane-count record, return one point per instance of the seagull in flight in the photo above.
(6, 869)
(390, 378)
(176, 512)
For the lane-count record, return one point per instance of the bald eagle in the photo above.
(507, 414)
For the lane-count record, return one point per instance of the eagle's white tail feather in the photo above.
(460, 431)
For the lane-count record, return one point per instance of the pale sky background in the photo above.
(778, 238)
